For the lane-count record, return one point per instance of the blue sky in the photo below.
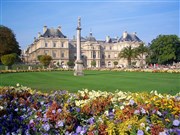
(148, 18)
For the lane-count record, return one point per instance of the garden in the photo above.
(84, 109)
(26, 111)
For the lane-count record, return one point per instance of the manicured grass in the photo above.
(95, 80)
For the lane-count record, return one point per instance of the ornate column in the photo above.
(78, 63)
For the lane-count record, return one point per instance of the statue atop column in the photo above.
(79, 22)
(78, 63)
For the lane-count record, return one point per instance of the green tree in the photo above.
(45, 60)
(93, 63)
(39, 57)
(8, 60)
(70, 63)
(128, 53)
(115, 63)
(165, 49)
(8, 43)
(141, 51)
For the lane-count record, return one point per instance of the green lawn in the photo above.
(95, 80)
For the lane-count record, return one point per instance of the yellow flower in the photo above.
(167, 120)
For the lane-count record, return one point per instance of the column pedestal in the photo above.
(78, 68)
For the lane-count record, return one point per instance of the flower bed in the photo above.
(34, 70)
(25, 111)
(98, 69)
(150, 70)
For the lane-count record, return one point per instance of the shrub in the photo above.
(8, 59)
(93, 63)
(115, 63)
(70, 63)
(39, 56)
(45, 60)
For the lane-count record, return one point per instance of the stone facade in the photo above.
(52, 42)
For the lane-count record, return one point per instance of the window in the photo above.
(115, 55)
(46, 44)
(46, 52)
(54, 54)
(109, 56)
(102, 56)
(62, 44)
(62, 55)
(94, 55)
(110, 48)
(54, 45)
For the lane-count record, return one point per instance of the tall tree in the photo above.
(165, 49)
(8, 43)
(141, 51)
(128, 53)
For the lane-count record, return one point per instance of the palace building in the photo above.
(54, 43)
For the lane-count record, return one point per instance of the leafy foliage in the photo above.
(70, 63)
(8, 43)
(128, 53)
(45, 60)
(115, 63)
(141, 51)
(93, 63)
(8, 59)
(38, 57)
(165, 49)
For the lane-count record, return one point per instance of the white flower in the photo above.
(1, 107)
(142, 125)
(159, 113)
(86, 90)
(17, 84)
(143, 111)
(77, 103)
(53, 111)
(122, 107)
(136, 112)
(147, 128)
(42, 102)
(106, 113)
(162, 133)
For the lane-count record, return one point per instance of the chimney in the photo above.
(59, 28)
(44, 29)
(125, 34)
(107, 39)
(39, 34)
